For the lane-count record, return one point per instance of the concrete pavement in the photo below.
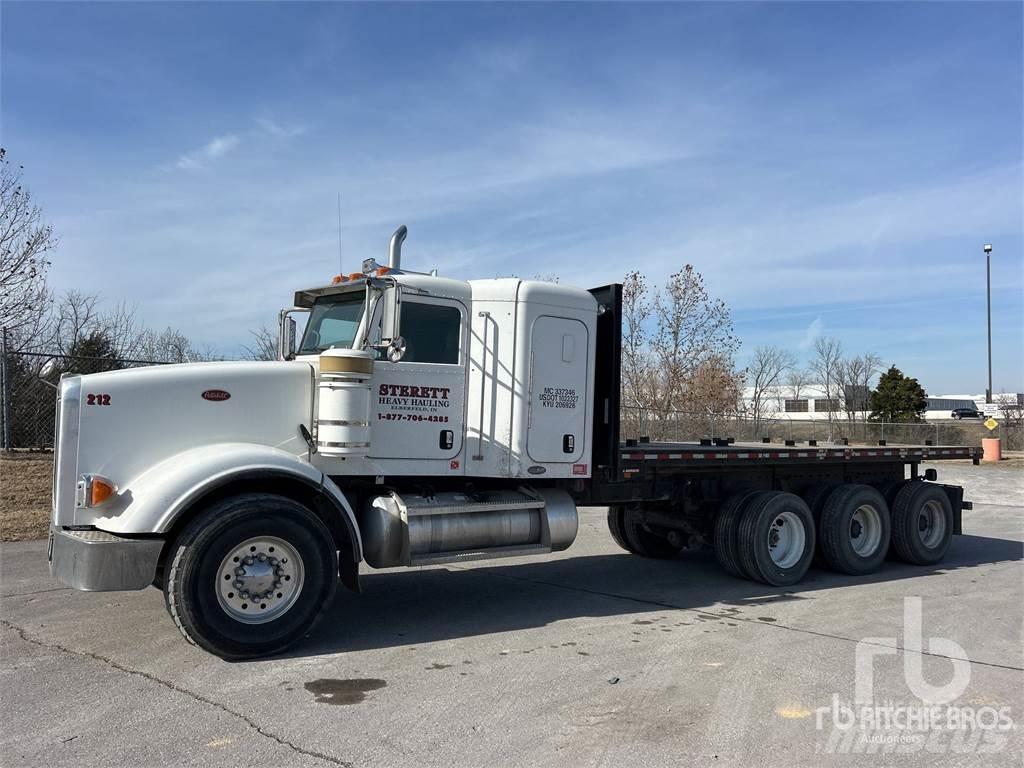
(591, 657)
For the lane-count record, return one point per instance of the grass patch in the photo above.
(25, 483)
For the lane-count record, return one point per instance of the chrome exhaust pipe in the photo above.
(395, 248)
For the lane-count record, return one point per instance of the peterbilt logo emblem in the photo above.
(216, 395)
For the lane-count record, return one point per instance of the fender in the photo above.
(153, 501)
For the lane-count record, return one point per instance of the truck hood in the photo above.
(130, 420)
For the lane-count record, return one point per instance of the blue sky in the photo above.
(830, 168)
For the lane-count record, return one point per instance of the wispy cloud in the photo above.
(279, 130)
(213, 149)
(812, 334)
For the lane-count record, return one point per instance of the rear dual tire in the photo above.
(767, 536)
(922, 526)
(630, 532)
(854, 530)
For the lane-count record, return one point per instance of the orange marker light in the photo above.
(338, 279)
(356, 276)
(93, 490)
(102, 489)
(381, 271)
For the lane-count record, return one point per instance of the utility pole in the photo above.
(988, 287)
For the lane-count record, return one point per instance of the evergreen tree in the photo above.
(897, 398)
(94, 353)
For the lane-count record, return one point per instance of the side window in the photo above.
(431, 333)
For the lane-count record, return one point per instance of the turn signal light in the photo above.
(93, 490)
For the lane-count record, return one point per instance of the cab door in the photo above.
(419, 403)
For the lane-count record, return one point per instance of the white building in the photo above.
(811, 403)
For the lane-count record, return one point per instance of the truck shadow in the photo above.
(407, 608)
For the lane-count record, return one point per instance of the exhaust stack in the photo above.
(395, 248)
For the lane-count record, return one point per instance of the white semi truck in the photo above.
(425, 420)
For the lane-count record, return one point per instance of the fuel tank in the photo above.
(449, 527)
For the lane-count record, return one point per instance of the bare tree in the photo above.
(170, 346)
(74, 316)
(264, 346)
(691, 329)
(828, 353)
(764, 374)
(854, 376)
(25, 241)
(714, 387)
(636, 363)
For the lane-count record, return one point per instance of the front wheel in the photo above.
(250, 575)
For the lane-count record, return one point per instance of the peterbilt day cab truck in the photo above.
(425, 420)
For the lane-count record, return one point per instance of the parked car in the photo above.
(966, 413)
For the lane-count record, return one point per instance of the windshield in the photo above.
(333, 322)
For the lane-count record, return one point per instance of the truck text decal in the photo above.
(558, 397)
(405, 397)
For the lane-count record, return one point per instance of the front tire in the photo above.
(250, 575)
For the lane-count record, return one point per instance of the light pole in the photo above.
(988, 288)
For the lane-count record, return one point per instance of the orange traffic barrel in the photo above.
(992, 446)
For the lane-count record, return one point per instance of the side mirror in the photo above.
(46, 370)
(391, 314)
(286, 334)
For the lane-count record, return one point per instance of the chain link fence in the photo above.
(689, 426)
(28, 401)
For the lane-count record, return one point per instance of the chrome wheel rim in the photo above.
(786, 540)
(259, 580)
(931, 524)
(866, 530)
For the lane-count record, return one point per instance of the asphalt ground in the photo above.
(591, 657)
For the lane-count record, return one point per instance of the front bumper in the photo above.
(97, 561)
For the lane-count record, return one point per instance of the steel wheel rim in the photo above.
(786, 539)
(931, 524)
(259, 580)
(866, 530)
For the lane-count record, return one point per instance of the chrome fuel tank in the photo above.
(448, 527)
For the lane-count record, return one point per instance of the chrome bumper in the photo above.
(97, 561)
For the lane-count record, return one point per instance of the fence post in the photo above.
(883, 429)
(5, 399)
